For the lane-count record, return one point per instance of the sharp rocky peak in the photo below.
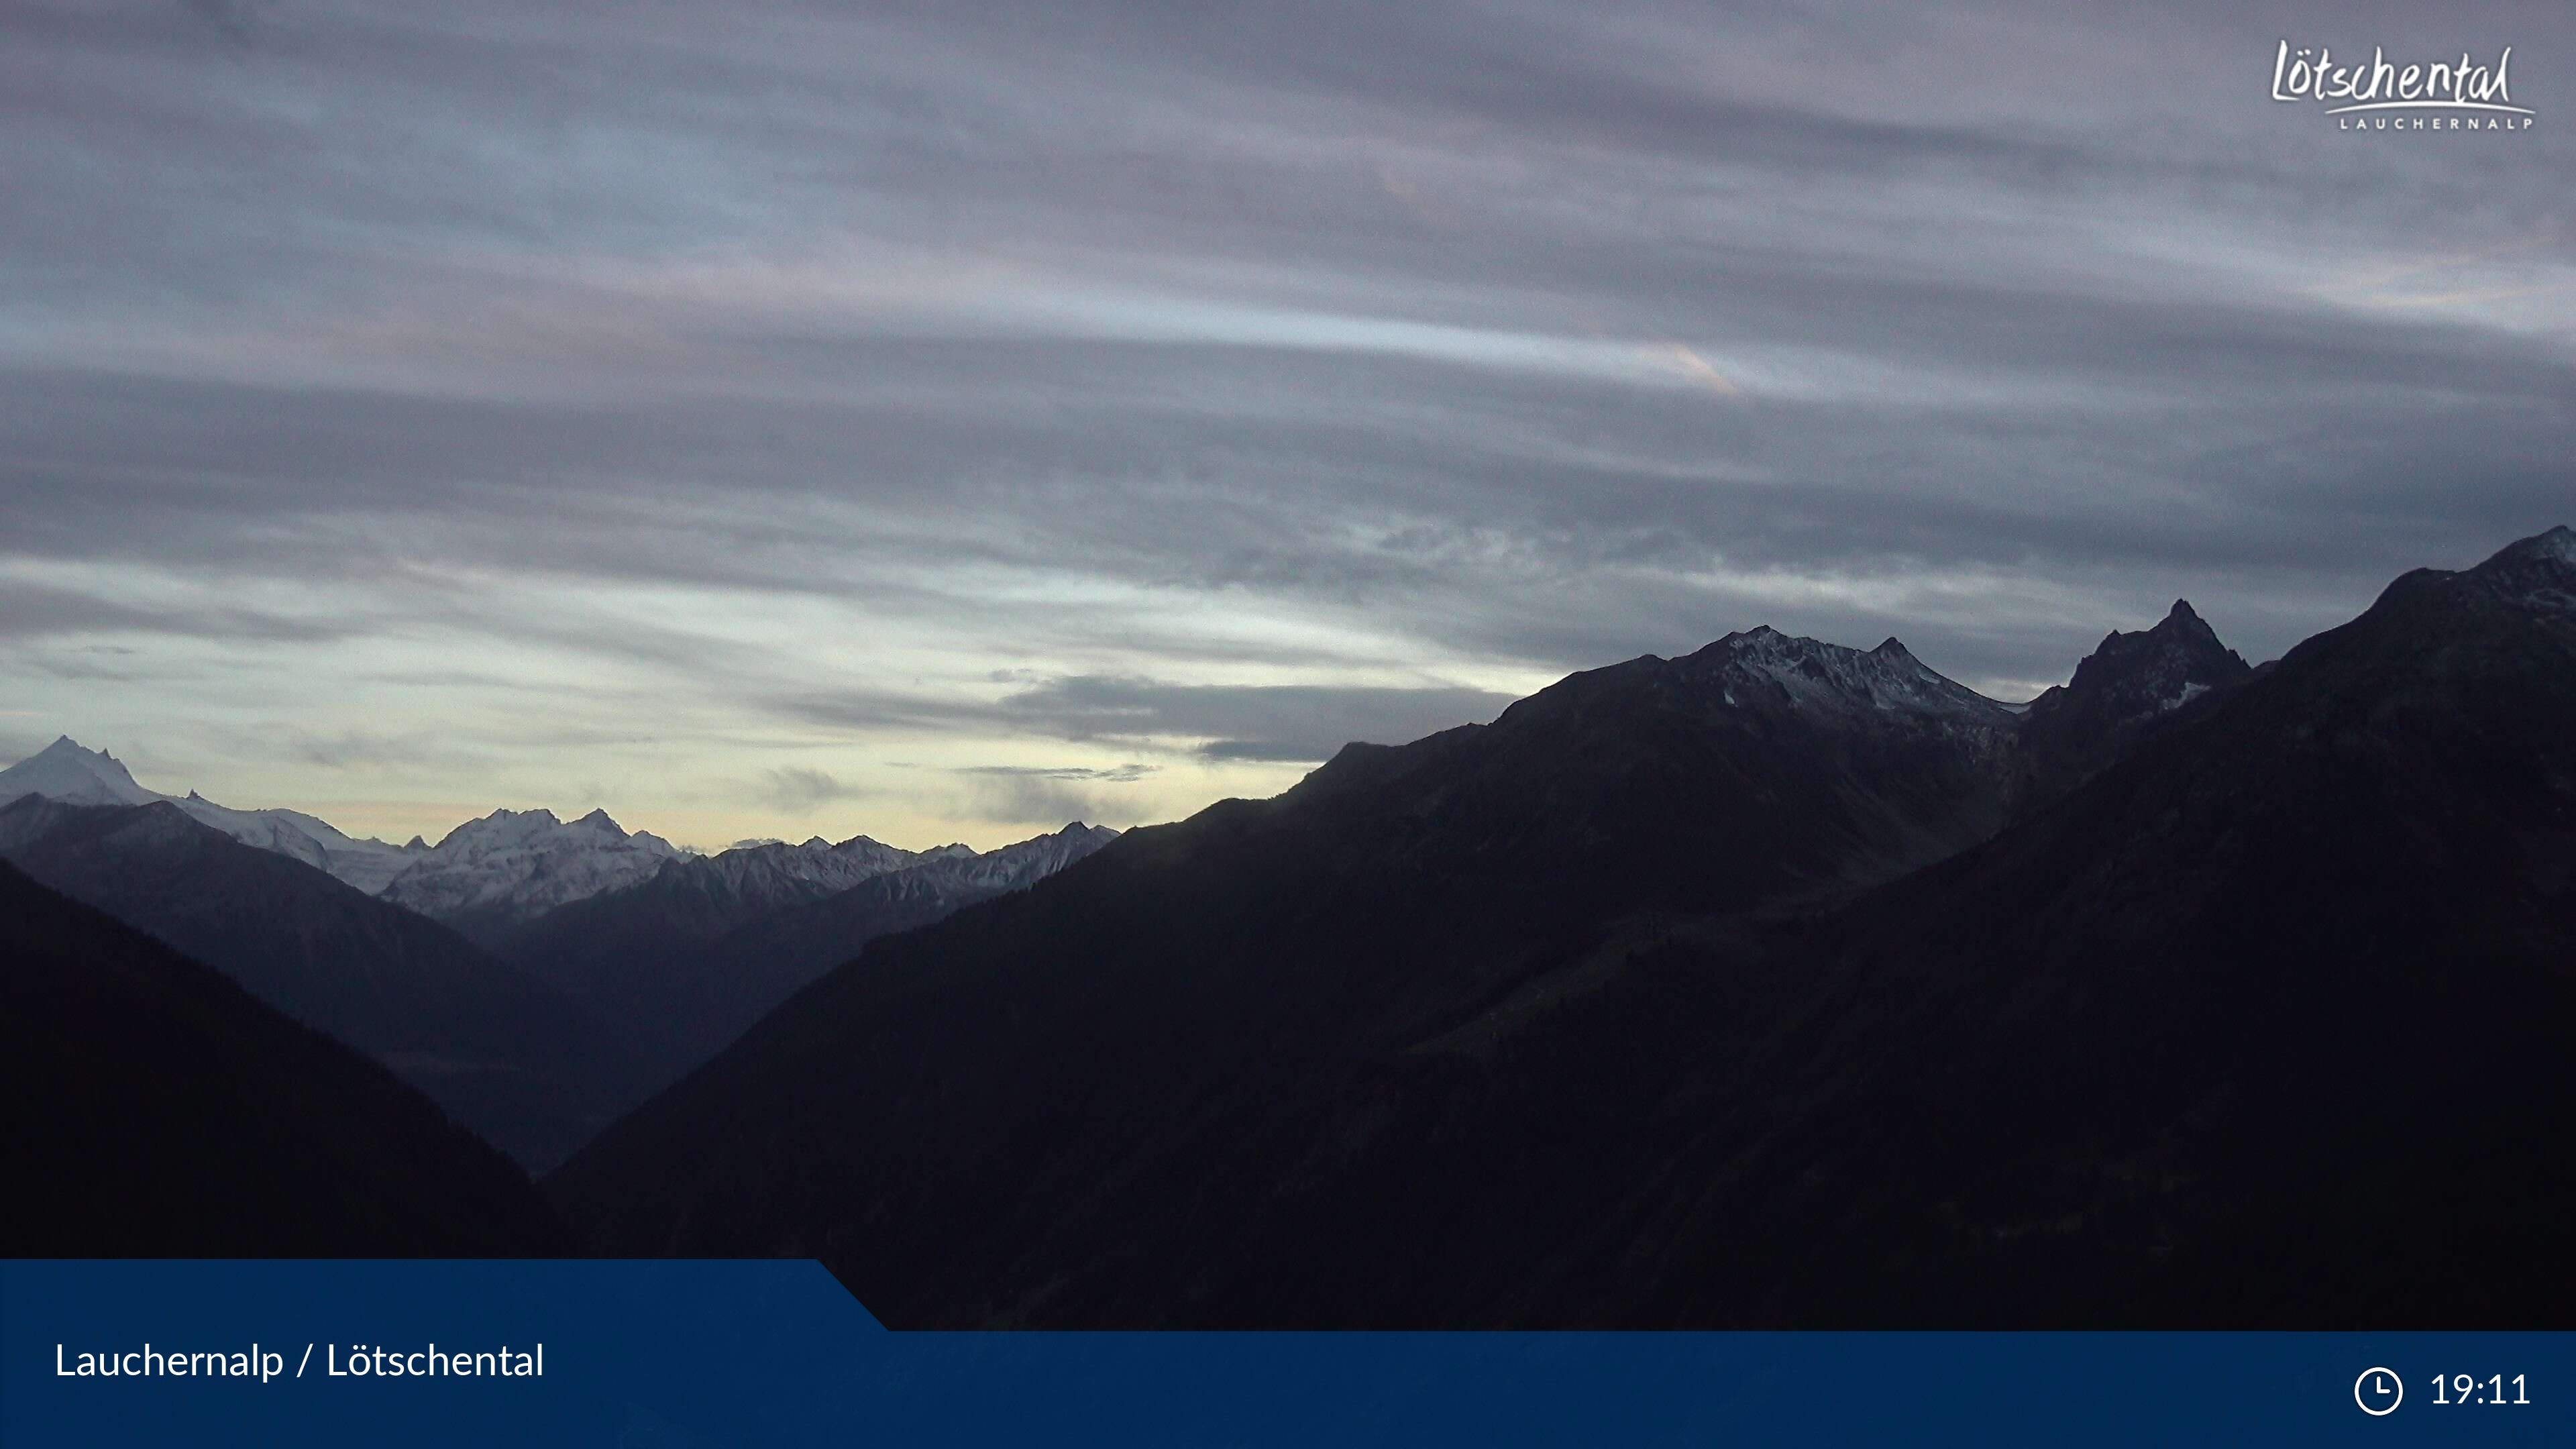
(64, 770)
(2127, 687)
(2181, 648)
(2182, 623)
(65, 747)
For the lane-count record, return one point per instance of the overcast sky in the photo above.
(945, 420)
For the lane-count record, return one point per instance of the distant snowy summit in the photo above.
(512, 866)
(65, 772)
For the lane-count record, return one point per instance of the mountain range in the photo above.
(1779, 984)
(491, 876)
(533, 976)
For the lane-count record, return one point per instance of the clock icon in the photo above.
(2378, 1391)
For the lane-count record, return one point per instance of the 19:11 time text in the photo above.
(2470, 1389)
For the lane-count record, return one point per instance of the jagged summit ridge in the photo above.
(516, 826)
(493, 873)
(1813, 673)
(775, 871)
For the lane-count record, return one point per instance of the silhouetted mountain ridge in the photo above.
(1640, 1005)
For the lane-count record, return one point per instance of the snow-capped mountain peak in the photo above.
(64, 771)
(510, 866)
(500, 828)
(1812, 674)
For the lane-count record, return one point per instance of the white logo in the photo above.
(2386, 95)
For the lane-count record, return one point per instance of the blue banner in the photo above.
(728, 1353)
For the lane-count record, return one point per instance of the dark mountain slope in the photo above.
(962, 1093)
(685, 961)
(2264, 1027)
(633, 955)
(508, 1056)
(150, 1107)
(738, 978)
(2250, 1028)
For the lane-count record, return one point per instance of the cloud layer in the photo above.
(773, 416)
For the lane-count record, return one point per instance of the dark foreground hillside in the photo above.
(508, 1055)
(150, 1107)
(1595, 1016)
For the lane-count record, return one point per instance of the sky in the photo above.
(944, 421)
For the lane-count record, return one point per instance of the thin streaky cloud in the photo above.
(783, 418)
